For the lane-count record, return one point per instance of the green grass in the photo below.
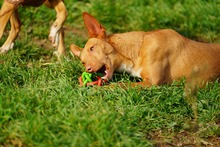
(41, 103)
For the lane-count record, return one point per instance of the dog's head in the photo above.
(96, 55)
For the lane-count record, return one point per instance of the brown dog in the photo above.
(158, 57)
(9, 11)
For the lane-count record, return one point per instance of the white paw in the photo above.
(54, 35)
(6, 48)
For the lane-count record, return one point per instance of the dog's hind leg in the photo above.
(56, 35)
(15, 28)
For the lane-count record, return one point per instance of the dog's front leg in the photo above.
(15, 28)
(126, 85)
(56, 35)
(145, 83)
(5, 13)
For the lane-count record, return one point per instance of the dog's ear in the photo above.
(75, 50)
(95, 29)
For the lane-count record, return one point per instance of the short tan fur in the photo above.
(158, 57)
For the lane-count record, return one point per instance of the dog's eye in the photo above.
(91, 48)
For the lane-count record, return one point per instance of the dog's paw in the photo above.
(54, 35)
(5, 48)
(57, 54)
(2, 51)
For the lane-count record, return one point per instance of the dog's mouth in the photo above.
(106, 73)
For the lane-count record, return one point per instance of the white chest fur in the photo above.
(130, 69)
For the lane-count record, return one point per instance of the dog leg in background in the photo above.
(6, 12)
(56, 35)
(15, 28)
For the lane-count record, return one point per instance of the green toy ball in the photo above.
(90, 79)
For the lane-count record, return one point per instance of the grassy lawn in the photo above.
(41, 103)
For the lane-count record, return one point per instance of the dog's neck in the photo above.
(119, 60)
(125, 50)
